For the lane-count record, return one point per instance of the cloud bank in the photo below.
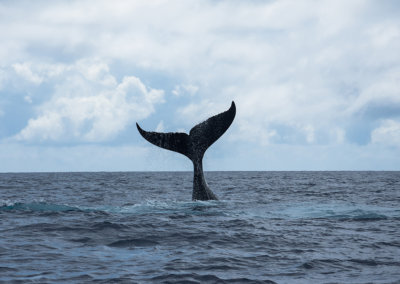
(305, 75)
(88, 104)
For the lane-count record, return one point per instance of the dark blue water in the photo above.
(285, 227)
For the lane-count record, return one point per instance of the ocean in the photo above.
(142, 227)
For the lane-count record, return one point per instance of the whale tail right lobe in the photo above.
(201, 136)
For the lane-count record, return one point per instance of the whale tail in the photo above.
(200, 137)
(194, 145)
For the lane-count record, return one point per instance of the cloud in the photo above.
(24, 71)
(383, 89)
(301, 72)
(3, 78)
(90, 106)
(189, 89)
(160, 127)
(388, 133)
(196, 112)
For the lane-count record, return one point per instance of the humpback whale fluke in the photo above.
(194, 145)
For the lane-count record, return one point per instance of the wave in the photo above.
(137, 242)
(37, 206)
(215, 208)
(340, 211)
(207, 278)
(149, 206)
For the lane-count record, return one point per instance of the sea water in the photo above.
(142, 227)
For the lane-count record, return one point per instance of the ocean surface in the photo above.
(142, 227)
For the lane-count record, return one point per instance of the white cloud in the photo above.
(309, 133)
(388, 133)
(96, 71)
(383, 89)
(189, 89)
(3, 78)
(160, 127)
(25, 71)
(255, 133)
(385, 34)
(197, 112)
(89, 105)
(28, 99)
(300, 72)
(37, 73)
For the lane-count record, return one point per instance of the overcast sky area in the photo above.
(316, 83)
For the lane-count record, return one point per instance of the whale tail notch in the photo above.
(200, 137)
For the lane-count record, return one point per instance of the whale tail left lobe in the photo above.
(177, 142)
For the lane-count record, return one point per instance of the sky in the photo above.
(316, 83)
